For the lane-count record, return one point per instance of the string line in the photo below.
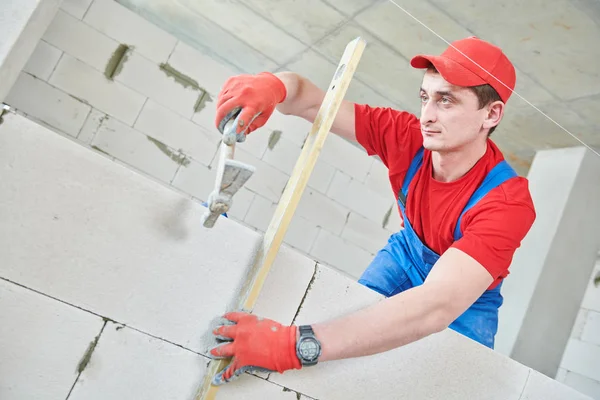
(502, 83)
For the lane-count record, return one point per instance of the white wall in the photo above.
(580, 365)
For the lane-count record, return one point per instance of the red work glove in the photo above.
(256, 344)
(257, 95)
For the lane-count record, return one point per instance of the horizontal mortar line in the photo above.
(101, 316)
(116, 79)
(110, 116)
(78, 99)
(106, 319)
(285, 387)
(39, 121)
(177, 40)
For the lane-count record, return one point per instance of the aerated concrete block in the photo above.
(442, 366)
(91, 86)
(128, 27)
(45, 103)
(178, 132)
(42, 342)
(124, 246)
(80, 40)
(43, 60)
(127, 364)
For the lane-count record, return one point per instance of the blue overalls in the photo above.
(405, 261)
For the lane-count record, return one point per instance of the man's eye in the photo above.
(445, 100)
(423, 98)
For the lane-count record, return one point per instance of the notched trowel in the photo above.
(231, 174)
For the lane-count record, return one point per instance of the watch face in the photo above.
(309, 349)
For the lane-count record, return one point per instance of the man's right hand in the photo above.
(257, 96)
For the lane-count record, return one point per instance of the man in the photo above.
(464, 211)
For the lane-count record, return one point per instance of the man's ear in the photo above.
(495, 112)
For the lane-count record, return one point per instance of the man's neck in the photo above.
(450, 166)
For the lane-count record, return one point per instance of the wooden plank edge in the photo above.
(291, 195)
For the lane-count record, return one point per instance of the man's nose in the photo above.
(428, 112)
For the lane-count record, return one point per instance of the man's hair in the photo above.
(486, 94)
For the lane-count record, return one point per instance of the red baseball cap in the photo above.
(473, 62)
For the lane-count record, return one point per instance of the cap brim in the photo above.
(450, 70)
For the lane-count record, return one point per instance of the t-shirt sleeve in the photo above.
(388, 133)
(493, 231)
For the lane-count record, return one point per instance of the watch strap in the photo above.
(306, 332)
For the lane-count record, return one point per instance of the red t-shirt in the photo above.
(492, 229)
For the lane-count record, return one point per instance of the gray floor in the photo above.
(551, 43)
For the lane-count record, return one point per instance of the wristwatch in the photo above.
(308, 348)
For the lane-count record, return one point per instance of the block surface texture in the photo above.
(42, 342)
(91, 235)
(90, 232)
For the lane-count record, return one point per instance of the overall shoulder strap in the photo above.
(410, 174)
(497, 176)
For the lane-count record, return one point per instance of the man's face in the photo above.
(450, 116)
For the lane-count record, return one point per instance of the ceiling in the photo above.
(553, 44)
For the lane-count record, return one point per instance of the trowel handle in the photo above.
(228, 125)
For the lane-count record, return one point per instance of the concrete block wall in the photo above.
(108, 286)
(550, 293)
(580, 365)
(154, 111)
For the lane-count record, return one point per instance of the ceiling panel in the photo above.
(306, 20)
(382, 68)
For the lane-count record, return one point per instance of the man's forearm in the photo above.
(390, 323)
(303, 97)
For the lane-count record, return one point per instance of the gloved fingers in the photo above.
(222, 339)
(225, 332)
(245, 119)
(226, 374)
(259, 121)
(233, 371)
(227, 104)
(222, 350)
(236, 316)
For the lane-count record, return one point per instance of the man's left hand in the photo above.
(256, 344)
